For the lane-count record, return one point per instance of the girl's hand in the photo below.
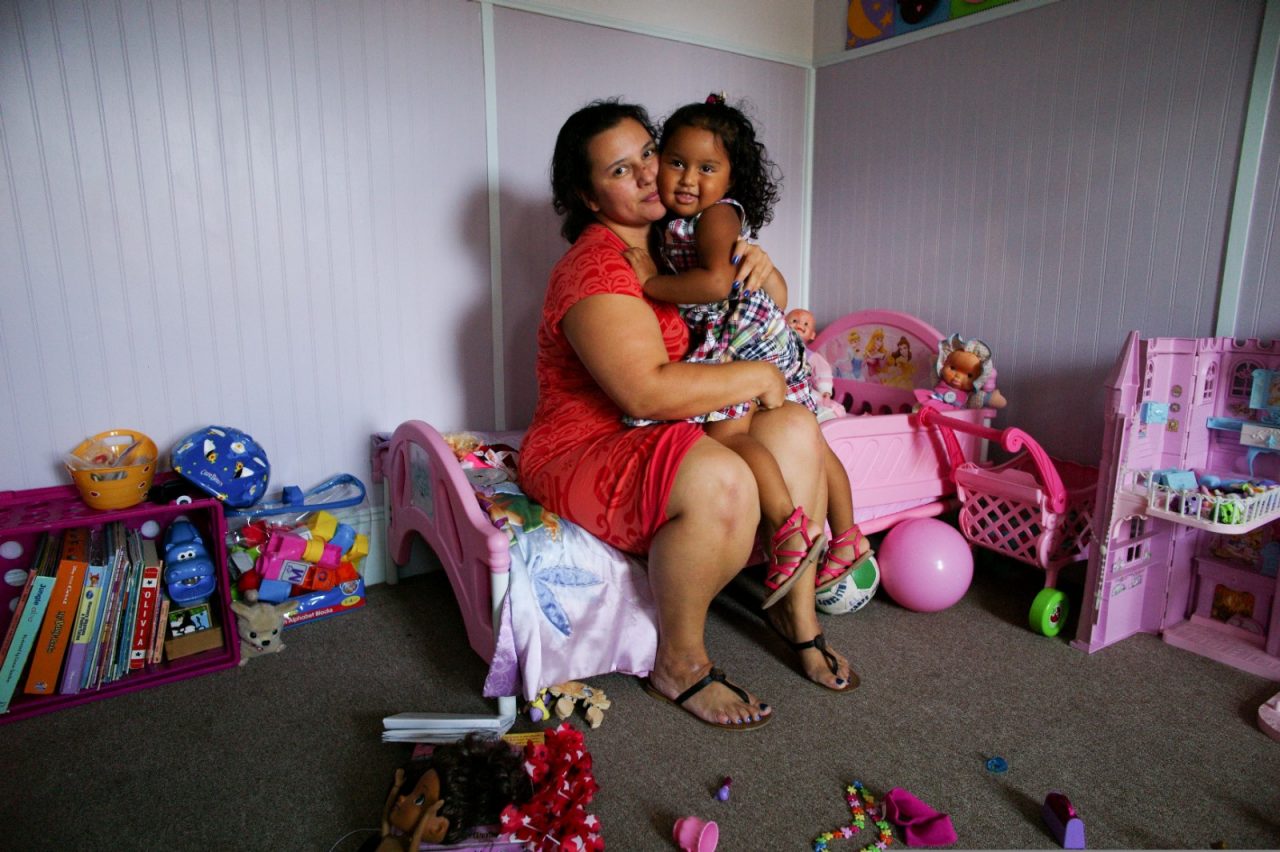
(775, 392)
(641, 262)
(754, 266)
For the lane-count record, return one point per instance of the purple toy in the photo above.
(925, 564)
(1061, 817)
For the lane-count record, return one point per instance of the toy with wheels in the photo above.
(1034, 508)
(925, 564)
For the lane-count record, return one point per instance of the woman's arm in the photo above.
(619, 341)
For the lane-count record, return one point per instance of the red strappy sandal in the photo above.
(828, 575)
(786, 566)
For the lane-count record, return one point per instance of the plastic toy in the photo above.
(1063, 821)
(695, 834)
(225, 463)
(966, 377)
(1037, 509)
(189, 573)
(113, 470)
(723, 793)
(259, 624)
(862, 805)
(462, 785)
(1269, 717)
(821, 376)
(568, 694)
(853, 592)
(1188, 565)
(925, 564)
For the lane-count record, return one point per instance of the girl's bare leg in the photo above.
(840, 508)
(791, 435)
(712, 516)
(775, 500)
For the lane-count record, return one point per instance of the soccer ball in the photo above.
(852, 593)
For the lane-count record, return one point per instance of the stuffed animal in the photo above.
(569, 693)
(259, 625)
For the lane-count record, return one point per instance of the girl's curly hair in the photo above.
(754, 178)
(571, 165)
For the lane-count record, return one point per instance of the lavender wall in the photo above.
(549, 67)
(1047, 181)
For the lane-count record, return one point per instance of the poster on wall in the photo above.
(870, 21)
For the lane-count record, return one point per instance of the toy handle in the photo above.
(1012, 439)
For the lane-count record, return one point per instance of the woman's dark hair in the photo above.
(755, 178)
(571, 166)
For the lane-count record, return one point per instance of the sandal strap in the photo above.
(785, 562)
(848, 538)
(819, 642)
(714, 676)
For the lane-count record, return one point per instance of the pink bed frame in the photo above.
(898, 471)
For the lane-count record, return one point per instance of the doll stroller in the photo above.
(1037, 509)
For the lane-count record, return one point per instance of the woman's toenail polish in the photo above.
(764, 707)
(840, 681)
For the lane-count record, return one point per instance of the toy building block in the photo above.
(1063, 821)
(322, 525)
(343, 537)
(274, 591)
(359, 549)
(347, 573)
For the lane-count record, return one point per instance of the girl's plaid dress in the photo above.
(747, 326)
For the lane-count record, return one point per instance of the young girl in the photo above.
(708, 152)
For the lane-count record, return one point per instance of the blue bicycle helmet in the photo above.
(226, 463)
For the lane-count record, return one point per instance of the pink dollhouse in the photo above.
(1187, 535)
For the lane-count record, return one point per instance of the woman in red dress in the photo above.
(666, 491)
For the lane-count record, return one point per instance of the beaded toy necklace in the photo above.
(861, 804)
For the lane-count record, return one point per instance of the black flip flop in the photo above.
(715, 676)
(820, 642)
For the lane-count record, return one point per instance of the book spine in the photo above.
(82, 635)
(55, 630)
(22, 599)
(110, 618)
(144, 623)
(24, 639)
(162, 619)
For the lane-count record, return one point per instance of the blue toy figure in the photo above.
(188, 568)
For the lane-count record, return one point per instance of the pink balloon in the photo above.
(925, 564)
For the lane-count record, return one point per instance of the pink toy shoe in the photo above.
(1269, 717)
(694, 834)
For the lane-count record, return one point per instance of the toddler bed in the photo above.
(544, 602)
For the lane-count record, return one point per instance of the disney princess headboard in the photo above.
(878, 359)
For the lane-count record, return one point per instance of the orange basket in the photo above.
(113, 470)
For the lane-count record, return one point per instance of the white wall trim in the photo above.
(495, 210)
(984, 17)
(1246, 188)
(801, 298)
(643, 29)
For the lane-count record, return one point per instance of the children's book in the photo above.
(157, 639)
(111, 615)
(122, 641)
(56, 627)
(27, 616)
(148, 594)
(86, 615)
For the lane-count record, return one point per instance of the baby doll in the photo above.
(966, 376)
(821, 376)
(463, 785)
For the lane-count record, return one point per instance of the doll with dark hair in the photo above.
(463, 785)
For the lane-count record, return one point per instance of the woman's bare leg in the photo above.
(791, 434)
(712, 516)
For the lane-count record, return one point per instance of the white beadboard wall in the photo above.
(262, 214)
(1047, 181)
(1258, 314)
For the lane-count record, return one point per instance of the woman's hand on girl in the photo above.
(754, 266)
